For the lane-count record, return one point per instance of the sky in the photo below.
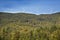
(30, 6)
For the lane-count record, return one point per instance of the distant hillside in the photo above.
(57, 13)
(25, 18)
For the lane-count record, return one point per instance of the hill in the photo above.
(26, 26)
(27, 19)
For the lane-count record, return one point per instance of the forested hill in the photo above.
(26, 26)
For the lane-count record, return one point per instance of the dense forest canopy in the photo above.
(26, 26)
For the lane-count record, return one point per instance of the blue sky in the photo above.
(30, 6)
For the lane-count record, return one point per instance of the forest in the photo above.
(27, 26)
